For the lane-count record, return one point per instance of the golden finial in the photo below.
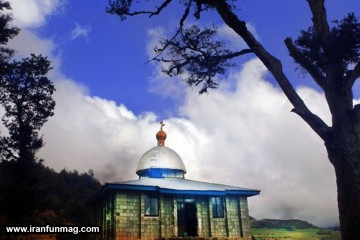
(161, 135)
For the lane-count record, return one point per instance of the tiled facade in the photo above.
(122, 217)
(163, 205)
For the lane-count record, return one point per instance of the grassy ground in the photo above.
(296, 234)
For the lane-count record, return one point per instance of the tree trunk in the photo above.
(342, 139)
(344, 153)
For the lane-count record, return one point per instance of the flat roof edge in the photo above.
(109, 186)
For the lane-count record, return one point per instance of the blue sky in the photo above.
(109, 103)
(108, 56)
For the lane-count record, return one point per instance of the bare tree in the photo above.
(329, 53)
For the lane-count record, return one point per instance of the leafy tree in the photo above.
(30, 192)
(26, 95)
(7, 32)
(328, 52)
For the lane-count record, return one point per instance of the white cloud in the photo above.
(256, 142)
(90, 133)
(34, 44)
(168, 87)
(155, 35)
(33, 13)
(80, 31)
(29, 14)
(229, 36)
(246, 136)
(94, 133)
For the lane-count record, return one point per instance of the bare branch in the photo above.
(123, 9)
(274, 66)
(185, 15)
(305, 63)
(319, 19)
(159, 9)
(179, 30)
(323, 30)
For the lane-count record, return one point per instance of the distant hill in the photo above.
(293, 229)
(278, 223)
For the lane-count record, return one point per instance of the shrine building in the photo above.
(163, 204)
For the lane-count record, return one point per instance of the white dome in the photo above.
(160, 158)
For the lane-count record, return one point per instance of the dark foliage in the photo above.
(26, 95)
(7, 32)
(31, 193)
(192, 52)
(56, 198)
(195, 52)
(344, 38)
(125, 8)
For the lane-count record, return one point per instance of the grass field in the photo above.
(298, 234)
